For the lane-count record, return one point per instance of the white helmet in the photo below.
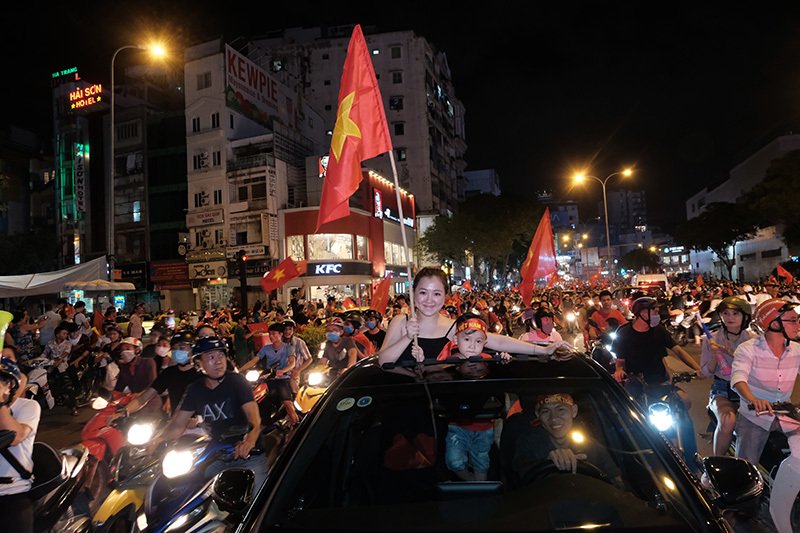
(747, 288)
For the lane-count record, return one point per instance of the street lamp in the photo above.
(581, 177)
(156, 50)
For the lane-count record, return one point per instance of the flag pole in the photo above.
(403, 230)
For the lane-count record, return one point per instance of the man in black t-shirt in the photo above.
(223, 399)
(374, 332)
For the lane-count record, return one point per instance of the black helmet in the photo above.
(185, 335)
(640, 304)
(543, 311)
(354, 317)
(9, 370)
(208, 344)
(372, 313)
(451, 309)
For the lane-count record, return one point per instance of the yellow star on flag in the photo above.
(279, 273)
(344, 125)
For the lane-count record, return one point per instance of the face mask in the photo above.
(332, 336)
(181, 357)
(372, 324)
(126, 356)
(161, 351)
(655, 319)
(349, 330)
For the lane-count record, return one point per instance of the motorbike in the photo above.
(666, 412)
(272, 412)
(314, 383)
(59, 478)
(38, 387)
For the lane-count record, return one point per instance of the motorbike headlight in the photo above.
(139, 434)
(612, 335)
(660, 415)
(571, 317)
(315, 378)
(177, 463)
(515, 309)
(99, 403)
(252, 375)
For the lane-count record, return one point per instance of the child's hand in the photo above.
(417, 352)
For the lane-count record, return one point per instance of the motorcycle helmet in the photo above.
(770, 311)
(543, 311)
(354, 317)
(737, 304)
(208, 344)
(371, 313)
(642, 303)
(335, 321)
(185, 335)
(10, 371)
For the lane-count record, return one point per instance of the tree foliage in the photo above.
(638, 259)
(28, 253)
(719, 228)
(777, 196)
(494, 229)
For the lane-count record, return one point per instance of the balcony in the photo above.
(251, 161)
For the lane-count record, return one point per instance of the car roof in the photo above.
(369, 374)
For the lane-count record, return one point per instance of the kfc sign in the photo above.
(354, 268)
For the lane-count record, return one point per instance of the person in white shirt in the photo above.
(21, 416)
(544, 332)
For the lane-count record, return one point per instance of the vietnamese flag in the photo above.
(700, 281)
(360, 133)
(348, 304)
(783, 273)
(278, 276)
(467, 286)
(541, 258)
(380, 296)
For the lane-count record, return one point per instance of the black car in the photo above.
(373, 456)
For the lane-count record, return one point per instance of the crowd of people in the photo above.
(190, 363)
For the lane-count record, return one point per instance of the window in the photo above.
(242, 193)
(201, 199)
(376, 52)
(217, 158)
(219, 236)
(400, 154)
(747, 257)
(217, 197)
(397, 52)
(396, 103)
(203, 81)
(771, 253)
(240, 238)
(137, 211)
(326, 82)
(397, 77)
(231, 120)
(330, 246)
(259, 190)
(296, 247)
(399, 128)
(215, 120)
(195, 124)
(129, 130)
(362, 250)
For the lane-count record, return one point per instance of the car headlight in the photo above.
(252, 375)
(660, 415)
(139, 434)
(571, 317)
(315, 378)
(177, 463)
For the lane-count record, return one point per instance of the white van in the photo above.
(651, 280)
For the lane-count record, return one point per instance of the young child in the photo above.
(469, 441)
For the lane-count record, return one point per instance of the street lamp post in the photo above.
(157, 51)
(581, 177)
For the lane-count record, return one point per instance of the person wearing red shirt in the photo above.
(602, 316)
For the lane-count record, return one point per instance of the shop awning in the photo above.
(51, 282)
(99, 285)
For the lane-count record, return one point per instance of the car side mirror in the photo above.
(233, 489)
(736, 482)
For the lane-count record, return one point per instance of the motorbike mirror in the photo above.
(6, 438)
(736, 481)
(233, 489)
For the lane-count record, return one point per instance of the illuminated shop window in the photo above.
(330, 246)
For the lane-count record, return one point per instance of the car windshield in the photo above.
(469, 449)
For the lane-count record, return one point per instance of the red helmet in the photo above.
(770, 310)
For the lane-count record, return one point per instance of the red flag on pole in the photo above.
(360, 133)
(541, 259)
(348, 304)
(700, 281)
(783, 273)
(380, 296)
(278, 276)
(467, 286)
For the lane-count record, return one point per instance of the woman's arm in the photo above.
(398, 337)
(503, 343)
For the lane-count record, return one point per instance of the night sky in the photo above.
(682, 92)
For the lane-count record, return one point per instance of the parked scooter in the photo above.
(58, 479)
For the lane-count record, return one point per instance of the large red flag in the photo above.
(278, 276)
(467, 286)
(541, 259)
(360, 133)
(783, 273)
(380, 296)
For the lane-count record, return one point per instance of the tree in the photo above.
(719, 228)
(638, 259)
(28, 253)
(777, 196)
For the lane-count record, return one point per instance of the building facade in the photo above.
(485, 181)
